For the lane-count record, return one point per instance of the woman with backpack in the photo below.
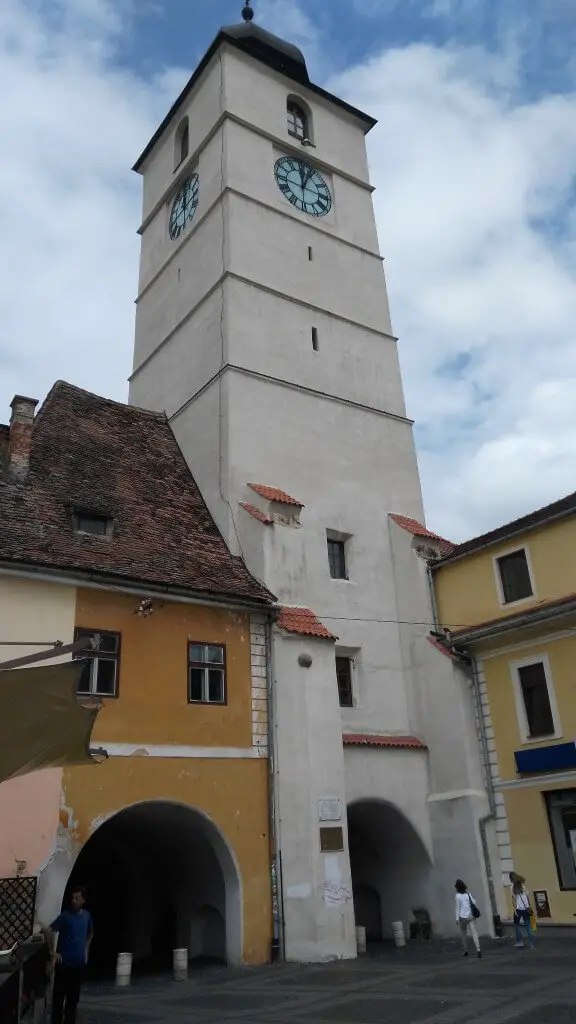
(522, 910)
(467, 914)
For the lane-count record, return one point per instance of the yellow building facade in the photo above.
(507, 602)
(171, 834)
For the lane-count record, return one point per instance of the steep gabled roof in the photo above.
(92, 454)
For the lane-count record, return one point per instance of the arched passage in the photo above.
(390, 866)
(160, 876)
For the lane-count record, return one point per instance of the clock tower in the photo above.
(263, 332)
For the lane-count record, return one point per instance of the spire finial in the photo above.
(247, 12)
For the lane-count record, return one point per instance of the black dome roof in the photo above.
(271, 49)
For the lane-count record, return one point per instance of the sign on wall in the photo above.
(542, 903)
(329, 809)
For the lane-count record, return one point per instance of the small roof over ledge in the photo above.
(418, 530)
(304, 622)
(275, 494)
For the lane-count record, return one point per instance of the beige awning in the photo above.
(43, 724)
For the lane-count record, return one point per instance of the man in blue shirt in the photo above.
(75, 933)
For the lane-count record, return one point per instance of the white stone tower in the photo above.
(263, 331)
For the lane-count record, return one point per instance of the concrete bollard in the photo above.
(180, 964)
(123, 969)
(361, 939)
(398, 933)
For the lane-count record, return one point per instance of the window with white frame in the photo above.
(561, 806)
(514, 575)
(535, 699)
(99, 676)
(206, 673)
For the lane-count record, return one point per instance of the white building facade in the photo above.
(263, 331)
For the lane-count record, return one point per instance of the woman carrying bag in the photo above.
(522, 910)
(467, 914)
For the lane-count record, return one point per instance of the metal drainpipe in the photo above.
(430, 579)
(277, 887)
(483, 822)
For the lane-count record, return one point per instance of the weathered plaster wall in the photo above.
(232, 794)
(31, 610)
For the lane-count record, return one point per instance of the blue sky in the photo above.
(473, 161)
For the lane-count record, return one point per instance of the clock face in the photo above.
(303, 186)
(184, 206)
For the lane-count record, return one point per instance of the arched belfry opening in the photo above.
(390, 867)
(181, 142)
(299, 119)
(160, 876)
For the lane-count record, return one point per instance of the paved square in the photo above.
(424, 984)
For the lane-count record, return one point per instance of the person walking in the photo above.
(75, 934)
(466, 915)
(522, 910)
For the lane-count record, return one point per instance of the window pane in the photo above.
(108, 643)
(344, 679)
(536, 700)
(105, 677)
(92, 524)
(515, 576)
(84, 681)
(197, 652)
(83, 636)
(196, 684)
(216, 686)
(216, 655)
(336, 559)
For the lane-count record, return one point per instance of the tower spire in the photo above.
(247, 12)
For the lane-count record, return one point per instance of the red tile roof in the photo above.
(402, 742)
(416, 528)
(115, 460)
(303, 621)
(442, 647)
(261, 516)
(275, 494)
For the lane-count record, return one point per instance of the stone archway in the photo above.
(159, 876)
(390, 866)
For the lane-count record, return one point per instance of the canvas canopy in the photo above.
(43, 724)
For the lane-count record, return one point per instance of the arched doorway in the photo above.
(160, 876)
(390, 867)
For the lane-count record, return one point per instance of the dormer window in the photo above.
(181, 142)
(297, 120)
(93, 523)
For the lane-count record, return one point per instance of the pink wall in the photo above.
(29, 814)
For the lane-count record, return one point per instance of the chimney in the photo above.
(21, 424)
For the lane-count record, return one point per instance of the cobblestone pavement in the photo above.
(426, 984)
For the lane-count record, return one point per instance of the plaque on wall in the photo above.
(329, 809)
(541, 903)
(331, 839)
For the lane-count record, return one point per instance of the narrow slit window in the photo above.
(344, 680)
(310, 253)
(315, 345)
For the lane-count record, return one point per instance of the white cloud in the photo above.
(69, 205)
(476, 219)
(473, 202)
